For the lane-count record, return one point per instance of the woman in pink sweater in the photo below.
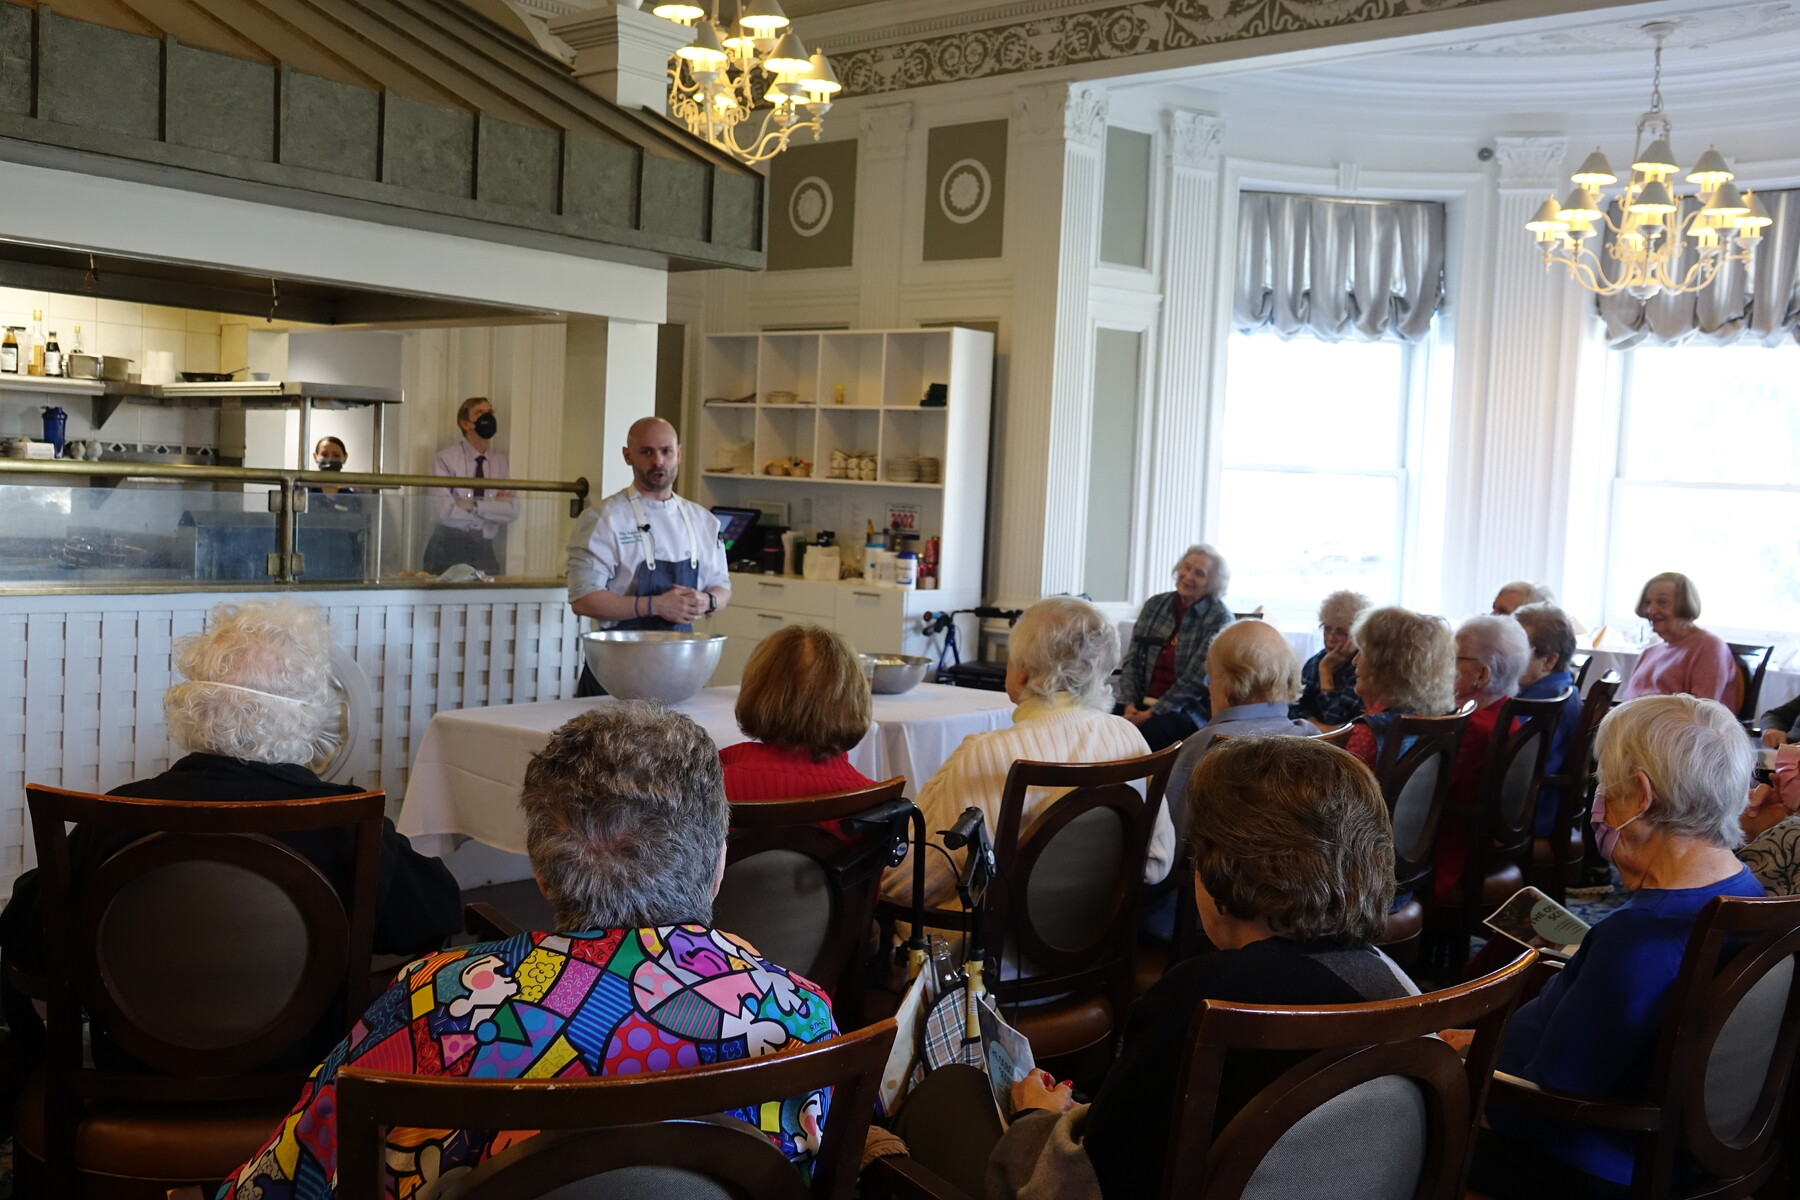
(1688, 659)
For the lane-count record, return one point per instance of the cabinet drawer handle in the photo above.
(775, 586)
(770, 616)
(869, 595)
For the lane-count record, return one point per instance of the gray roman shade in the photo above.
(1759, 306)
(1338, 269)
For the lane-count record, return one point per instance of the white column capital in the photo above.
(1530, 162)
(1195, 139)
(623, 54)
(1059, 112)
(886, 131)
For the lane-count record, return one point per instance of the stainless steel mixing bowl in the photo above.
(644, 665)
(891, 674)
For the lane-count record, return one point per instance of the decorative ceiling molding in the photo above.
(1529, 161)
(1195, 139)
(1692, 31)
(1116, 31)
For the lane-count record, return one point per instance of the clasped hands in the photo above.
(679, 605)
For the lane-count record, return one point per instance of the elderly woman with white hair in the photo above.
(1515, 595)
(1674, 780)
(1061, 653)
(252, 712)
(1162, 684)
(1328, 679)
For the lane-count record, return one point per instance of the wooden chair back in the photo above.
(1371, 1073)
(1571, 786)
(1579, 663)
(1753, 664)
(204, 949)
(1413, 769)
(1505, 804)
(1339, 737)
(635, 1136)
(1723, 1063)
(1065, 901)
(805, 895)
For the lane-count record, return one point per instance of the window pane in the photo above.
(1709, 414)
(1748, 576)
(1308, 403)
(1290, 538)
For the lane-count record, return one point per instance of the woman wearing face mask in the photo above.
(1674, 781)
(330, 455)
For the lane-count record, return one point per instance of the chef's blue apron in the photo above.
(649, 581)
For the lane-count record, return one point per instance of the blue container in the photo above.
(56, 424)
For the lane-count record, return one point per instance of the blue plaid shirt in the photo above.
(1155, 623)
(1340, 706)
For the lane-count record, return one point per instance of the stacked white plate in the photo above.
(929, 470)
(903, 470)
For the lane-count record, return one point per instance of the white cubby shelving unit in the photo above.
(884, 375)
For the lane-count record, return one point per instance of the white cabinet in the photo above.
(774, 397)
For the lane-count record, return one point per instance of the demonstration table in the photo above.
(467, 770)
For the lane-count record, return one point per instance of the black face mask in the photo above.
(331, 464)
(486, 426)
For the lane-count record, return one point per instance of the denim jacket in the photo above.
(1155, 622)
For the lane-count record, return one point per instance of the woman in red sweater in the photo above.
(805, 701)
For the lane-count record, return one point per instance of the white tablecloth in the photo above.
(1778, 686)
(466, 773)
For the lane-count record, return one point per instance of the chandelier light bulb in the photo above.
(1654, 200)
(1579, 205)
(1548, 219)
(682, 13)
(789, 56)
(819, 78)
(1657, 162)
(1725, 203)
(1710, 171)
(1755, 217)
(764, 16)
(705, 51)
(1595, 172)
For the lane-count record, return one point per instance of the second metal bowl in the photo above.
(891, 674)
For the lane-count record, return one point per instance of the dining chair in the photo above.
(204, 951)
(1722, 1065)
(628, 1137)
(1753, 664)
(1413, 769)
(1555, 862)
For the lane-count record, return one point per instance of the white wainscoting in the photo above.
(82, 680)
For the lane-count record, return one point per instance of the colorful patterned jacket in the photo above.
(539, 1006)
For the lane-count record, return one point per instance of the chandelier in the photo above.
(746, 85)
(1654, 241)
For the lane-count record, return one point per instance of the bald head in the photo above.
(1250, 662)
(653, 452)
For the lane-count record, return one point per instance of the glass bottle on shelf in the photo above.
(53, 356)
(838, 396)
(75, 342)
(36, 366)
(9, 351)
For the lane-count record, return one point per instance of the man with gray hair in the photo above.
(1548, 675)
(625, 818)
(1254, 675)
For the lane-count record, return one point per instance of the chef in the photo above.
(644, 558)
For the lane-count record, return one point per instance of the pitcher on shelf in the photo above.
(645, 558)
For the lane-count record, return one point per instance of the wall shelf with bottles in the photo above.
(768, 399)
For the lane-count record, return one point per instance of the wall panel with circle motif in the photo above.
(812, 207)
(965, 206)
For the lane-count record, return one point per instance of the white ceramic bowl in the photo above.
(645, 665)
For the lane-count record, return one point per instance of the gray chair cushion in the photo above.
(224, 969)
(780, 902)
(1073, 879)
(1414, 803)
(1367, 1144)
(1739, 1065)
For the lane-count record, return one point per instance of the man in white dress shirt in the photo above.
(469, 519)
(645, 558)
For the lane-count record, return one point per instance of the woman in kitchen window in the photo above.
(330, 455)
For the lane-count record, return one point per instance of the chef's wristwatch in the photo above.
(712, 603)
